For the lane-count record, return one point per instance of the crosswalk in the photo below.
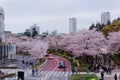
(50, 75)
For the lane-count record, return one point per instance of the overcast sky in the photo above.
(54, 14)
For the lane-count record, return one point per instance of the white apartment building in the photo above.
(105, 17)
(72, 26)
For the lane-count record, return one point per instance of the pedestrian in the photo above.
(26, 63)
(119, 76)
(23, 61)
(107, 70)
(76, 70)
(115, 76)
(36, 71)
(68, 76)
(102, 75)
(73, 69)
(110, 70)
(33, 72)
(64, 68)
(88, 71)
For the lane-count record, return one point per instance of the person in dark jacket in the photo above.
(115, 76)
(102, 75)
(73, 69)
(33, 72)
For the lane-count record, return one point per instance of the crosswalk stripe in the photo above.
(40, 72)
(32, 78)
(55, 73)
(48, 73)
(62, 74)
(58, 73)
(44, 72)
(52, 72)
(66, 74)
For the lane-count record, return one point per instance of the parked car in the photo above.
(61, 64)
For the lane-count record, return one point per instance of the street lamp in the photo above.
(103, 51)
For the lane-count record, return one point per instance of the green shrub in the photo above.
(70, 59)
(83, 67)
(74, 63)
(83, 77)
(116, 58)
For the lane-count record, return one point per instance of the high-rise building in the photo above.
(2, 25)
(72, 26)
(36, 28)
(105, 18)
(7, 50)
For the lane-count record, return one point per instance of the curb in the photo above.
(43, 63)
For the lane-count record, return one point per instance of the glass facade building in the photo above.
(2, 25)
(7, 50)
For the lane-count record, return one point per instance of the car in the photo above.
(61, 64)
(50, 57)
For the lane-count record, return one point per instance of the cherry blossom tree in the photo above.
(89, 42)
(114, 42)
(35, 47)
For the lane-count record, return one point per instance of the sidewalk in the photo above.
(99, 74)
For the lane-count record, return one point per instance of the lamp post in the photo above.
(104, 58)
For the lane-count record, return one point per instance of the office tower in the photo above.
(105, 18)
(2, 25)
(72, 26)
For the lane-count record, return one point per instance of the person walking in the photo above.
(110, 70)
(119, 76)
(88, 71)
(36, 71)
(76, 70)
(115, 76)
(33, 72)
(107, 70)
(102, 75)
(73, 69)
(65, 68)
(68, 76)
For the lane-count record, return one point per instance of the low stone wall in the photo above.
(7, 75)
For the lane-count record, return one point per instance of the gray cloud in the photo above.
(54, 14)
